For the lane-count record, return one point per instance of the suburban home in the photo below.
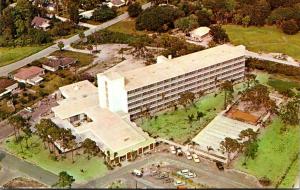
(31, 75)
(59, 62)
(116, 3)
(199, 33)
(40, 23)
(7, 86)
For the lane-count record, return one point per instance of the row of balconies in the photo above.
(198, 86)
(179, 78)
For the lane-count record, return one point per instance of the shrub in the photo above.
(290, 27)
(104, 13)
(265, 181)
(134, 9)
(158, 18)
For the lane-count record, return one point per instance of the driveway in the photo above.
(14, 66)
(209, 175)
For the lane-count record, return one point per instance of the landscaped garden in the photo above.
(277, 147)
(82, 169)
(264, 39)
(13, 54)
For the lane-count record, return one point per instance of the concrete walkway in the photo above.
(5, 70)
(268, 57)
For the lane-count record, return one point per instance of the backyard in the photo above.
(83, 59)
(10, 55)
(264, 39)
(277, 148)
(82, 170)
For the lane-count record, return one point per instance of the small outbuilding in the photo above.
(199, 33)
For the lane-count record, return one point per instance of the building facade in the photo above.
(159, 86)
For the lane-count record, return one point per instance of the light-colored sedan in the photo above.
(195, 158)
(188, 155)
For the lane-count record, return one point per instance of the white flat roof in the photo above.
(178, 66)
(107, 128)
(78, 90)
(218, 129)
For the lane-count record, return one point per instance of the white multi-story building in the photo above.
(159, 85)
(105, 114)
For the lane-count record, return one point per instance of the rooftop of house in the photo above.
(39, 21)
(117, 2)
(59, 61)
(28, 72)
(178, 66)
(201, 31)
(4, 83)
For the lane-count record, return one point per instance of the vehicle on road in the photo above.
(137, 173)
(188, 155)
(173, 149)
(220, 166)
(29, 109)
(195, 158)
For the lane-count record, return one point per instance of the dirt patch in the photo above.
(242, 116)
(21, 182)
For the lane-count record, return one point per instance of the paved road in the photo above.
(14, 163)
(267, 57)
(208, 175)
(14, 66)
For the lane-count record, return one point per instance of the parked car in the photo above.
(137, 173)
(179, 152)
(173, 149)
(220, 166)
(178, 183)
(195, 158)
(186, 173)
(188, 155)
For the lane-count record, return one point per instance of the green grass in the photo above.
(282, 85)
(175, 125)
(126, 27)
(11, 55)
(36, 154)
(265, 39)
(275, 152)
(84, 59)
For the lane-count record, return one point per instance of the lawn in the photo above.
(10, 55)
(83, 58)
(126, 27)
(36, 154)
(275, 152)
(283, 85)
(175, 124)
(265, 39)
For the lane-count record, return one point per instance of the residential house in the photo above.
(40, 23)
(31, 75)
(59, 62)
(7, 86)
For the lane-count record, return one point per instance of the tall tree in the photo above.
(227, 87)
(229, 146)
(65, 180)
(90, 147)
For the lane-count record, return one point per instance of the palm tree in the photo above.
(227, 87)
(28, 134)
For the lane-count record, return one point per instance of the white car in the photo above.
(186, 173)
(178, 182)
(137, 173)
(29, 109)
(195, 158)
(173, 149)
(179, 152)
(188, 155)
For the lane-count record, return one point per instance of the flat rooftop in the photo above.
(217, 130)
(111, 130)
(78, 90)
(178, 66)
